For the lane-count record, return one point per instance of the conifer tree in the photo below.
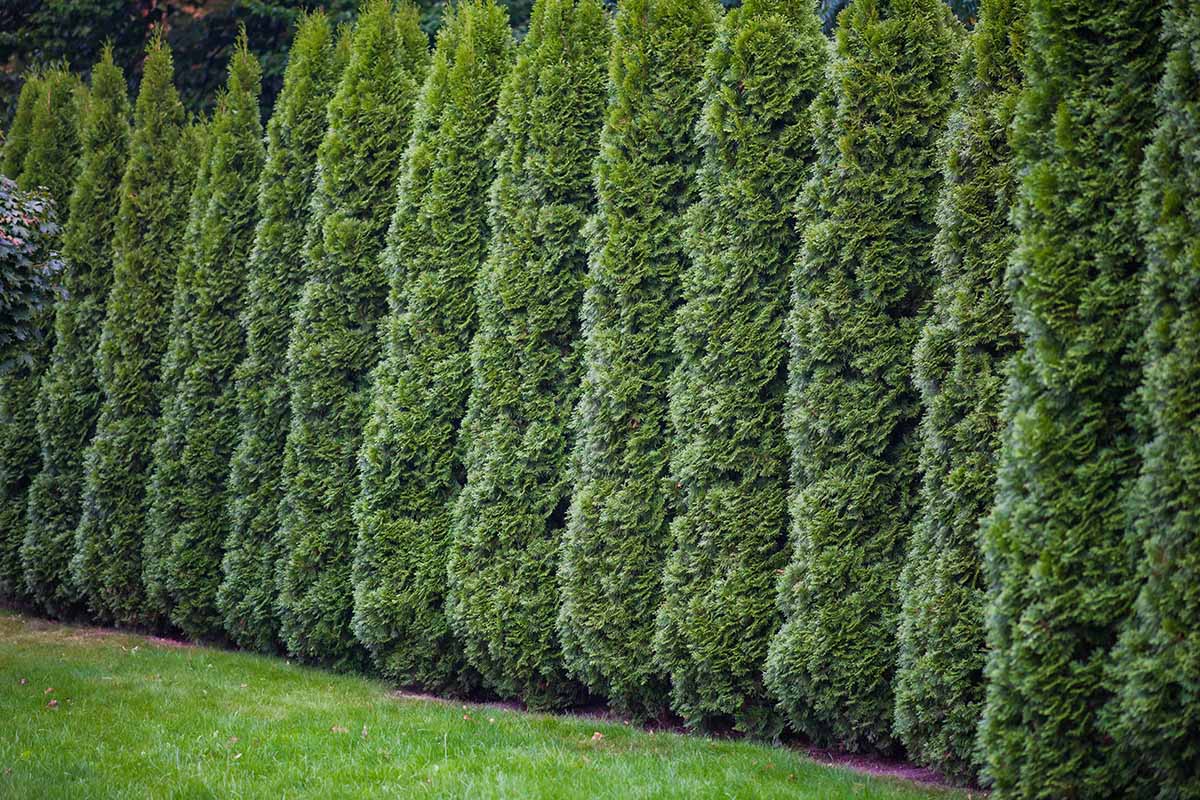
(68, 399)
(860, 290)
(1058, 556)
(729, 456)
(246, 596)
(1159, 704)
(199, 423)
(51, 157)
(335, 340)
(508, 520)
(411, 465)
(16, 140)
(616, 538)
(107, 562)
(163, 510)
(959, 367)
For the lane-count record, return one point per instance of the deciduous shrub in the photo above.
(508, 520)
(616, 538)
(729, 455)
(411, 462)
(335, 339)
(1058, 556)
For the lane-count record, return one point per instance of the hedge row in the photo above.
(686, 359)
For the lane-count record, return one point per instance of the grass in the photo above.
(98, 714)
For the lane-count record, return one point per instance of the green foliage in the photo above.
(107, 562)
(199, 423)
(335, 340)
(1159, 705)
(16, 142)
(50, 160)
(861, 288)
(729, 456)
(411, 463)
(509, 518)
(959, 367)
(68, 399)
(247, 594)
(1059, 562)
(616, 539)
(30, 271)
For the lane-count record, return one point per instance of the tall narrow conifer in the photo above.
(861, 288)
(729, 455)
(199, 424)
(49, 166)
(616, 538)
(107, 562)
(1059, 560)
(959, 367)
(16, 139)
(335, 340)
(68, 399)
(508, 520)
(1157, 664)
(247, 594)
(411, 463)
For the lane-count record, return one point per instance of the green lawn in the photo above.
(90, 713)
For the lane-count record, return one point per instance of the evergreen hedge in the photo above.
(246, 596)
(199, 425)
(509, 519)
(411, 462)
(959, 367)
(860, 292)
(68, 399)
(729, 455)
(1058, 556)
(107, 560)
(335, 338)
(616, 538)
(16, 140)
(51, 157)
(1159, 700)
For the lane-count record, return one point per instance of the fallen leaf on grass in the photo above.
(597, 736)
(49, 689)
(233, 740)
(364, 732)
(236, 756)
(339, 729)
(24, 681)
(52, 704)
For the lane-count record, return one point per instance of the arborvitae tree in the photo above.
(247, 594)
(199, 424)
(68, 400)
(411, 465)
(1058, 558)
(860, 290)
(51, 157)
(335, 341)
(16, 142)
(616, 539)
(509, 518)
(107, 563)
(1159, 719)
(959, 367)
(163, 511)
(729, 455)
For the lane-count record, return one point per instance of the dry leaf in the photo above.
(52, 704)
(49, 689)
(339, 729)
(597, 736)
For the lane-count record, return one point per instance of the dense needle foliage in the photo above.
(616, 538)
(335, 339)
(411, 461)
(1060, 564)
(508, 520)
(68, 399)
(275, 275)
